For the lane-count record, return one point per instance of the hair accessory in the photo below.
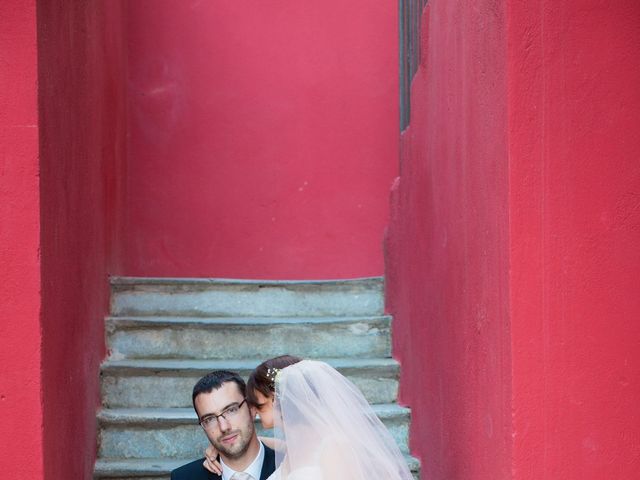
(272, 374)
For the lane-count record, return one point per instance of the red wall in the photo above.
(81, 74)
(515, 240)
(21, 445)
(447, 247)
(262, 137)
(575, 238)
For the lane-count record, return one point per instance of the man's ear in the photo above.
(253, 410)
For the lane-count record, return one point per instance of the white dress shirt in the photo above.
(255, 469)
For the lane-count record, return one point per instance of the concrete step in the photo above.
(175, 433)
(160, 468)
(168, 383)
(234, 337)
(244, 298)
(164, 334)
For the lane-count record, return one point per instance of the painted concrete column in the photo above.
(61, 150)
(574, 71)
(514, 247)
(21, 411)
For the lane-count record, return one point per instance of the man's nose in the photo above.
(224, 424)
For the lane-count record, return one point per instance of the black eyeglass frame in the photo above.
(209, 418)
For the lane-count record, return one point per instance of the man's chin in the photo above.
(232, 446)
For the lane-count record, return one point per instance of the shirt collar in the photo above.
(255, 469)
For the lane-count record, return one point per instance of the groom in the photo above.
(219, 399)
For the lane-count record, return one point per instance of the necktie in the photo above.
(241, 476)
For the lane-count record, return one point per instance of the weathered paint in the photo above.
(81, 77)
(21, 443)
(514, 245)
(263, 138)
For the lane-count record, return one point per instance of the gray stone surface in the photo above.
(168, 383)
(211, 297)
(174, 433)
(236, 338)
(147, 468)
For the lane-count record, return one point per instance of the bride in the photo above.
(325, 428)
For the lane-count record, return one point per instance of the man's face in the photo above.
(232, 436)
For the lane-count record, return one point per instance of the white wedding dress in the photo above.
(329, 430)
(304, 473)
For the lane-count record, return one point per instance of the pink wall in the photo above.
(514, 246)
(447, 247)
(21, 444)
(262, 137)
(81, 78)
(574, 154)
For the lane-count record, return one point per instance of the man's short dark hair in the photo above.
(215, 380)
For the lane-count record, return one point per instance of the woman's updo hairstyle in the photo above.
(262, 379)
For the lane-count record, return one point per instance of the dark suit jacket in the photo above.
(195, 470)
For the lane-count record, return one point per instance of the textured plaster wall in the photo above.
(263, 137)
(574, 155)
(21, 443)
(81, 78)
(447, 247)
(514, 247)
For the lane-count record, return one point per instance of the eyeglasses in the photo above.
(212, 421)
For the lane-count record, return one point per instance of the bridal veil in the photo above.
(328, 429)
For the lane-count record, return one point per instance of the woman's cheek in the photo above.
(267, 420)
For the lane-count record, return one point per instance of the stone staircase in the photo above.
(164, 334)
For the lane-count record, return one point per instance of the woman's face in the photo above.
(265, 409)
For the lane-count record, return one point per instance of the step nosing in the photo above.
(209, 365)
(108, 466)
(248, 321)
(187, 414)
(126, 281)
(123, 467)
